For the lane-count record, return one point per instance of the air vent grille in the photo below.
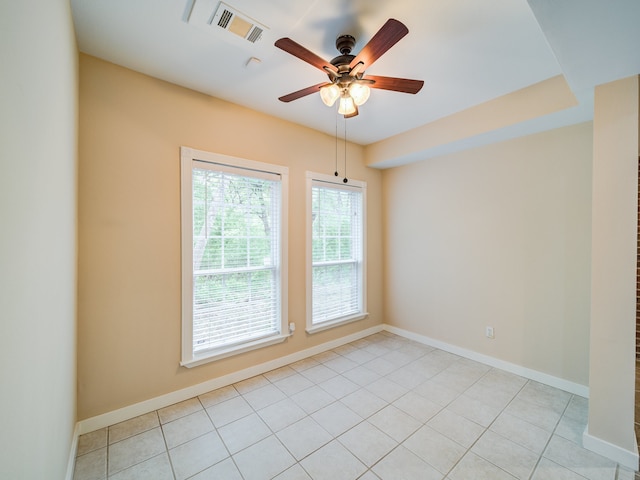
(225, 18)
(235, 22)
(255, 34)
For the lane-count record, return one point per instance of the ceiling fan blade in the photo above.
(404, 85)
(303, 54)
(390, 34)
(302, 93)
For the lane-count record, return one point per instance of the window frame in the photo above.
(313, 178)
(188, 158)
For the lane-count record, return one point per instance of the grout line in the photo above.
(488, 427)
(553, 432)
(166, 446)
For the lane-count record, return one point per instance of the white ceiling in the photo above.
(467, 52)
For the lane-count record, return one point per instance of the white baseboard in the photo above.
(71, 463)
(131, 411)
(531, 374)
(624, 457)
(629, 459)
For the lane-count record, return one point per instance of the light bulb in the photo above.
(359, 93)
(347, 107)
(329, 94)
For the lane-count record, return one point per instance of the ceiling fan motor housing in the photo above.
(345, 43)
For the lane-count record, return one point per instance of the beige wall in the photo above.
(131, 129)
(496, 236)
(38, 97)
(613, 292)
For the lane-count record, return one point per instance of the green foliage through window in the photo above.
(235, 258)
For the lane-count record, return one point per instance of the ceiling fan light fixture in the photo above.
(346, 71)
(359, 92)
(347, 105)
(329, 94)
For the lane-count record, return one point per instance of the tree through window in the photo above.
(234, 280)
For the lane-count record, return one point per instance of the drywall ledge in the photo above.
(550, 102)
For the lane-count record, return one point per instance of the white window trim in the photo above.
(187, 157)
(335, 183)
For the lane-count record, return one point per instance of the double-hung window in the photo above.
(335, 251)
(234, 290)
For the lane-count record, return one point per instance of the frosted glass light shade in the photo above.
(359, 93)
(329, 94)
(347, 106)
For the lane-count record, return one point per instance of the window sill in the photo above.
(219, 354)
(336, 323)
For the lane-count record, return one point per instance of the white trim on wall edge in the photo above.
(541, 377)
(629, 459)
(131, 411)
(71, 462)
(146, 406)
(624, 457)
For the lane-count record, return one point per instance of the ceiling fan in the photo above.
(346, 72)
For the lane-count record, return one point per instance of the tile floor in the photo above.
(383, 407)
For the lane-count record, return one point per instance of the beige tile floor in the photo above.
(379, 408)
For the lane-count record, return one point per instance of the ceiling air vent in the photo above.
(235, 22)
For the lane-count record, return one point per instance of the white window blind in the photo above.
(336, 252)
(235, 270)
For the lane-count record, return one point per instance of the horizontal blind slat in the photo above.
(336, 252)
(236, 234)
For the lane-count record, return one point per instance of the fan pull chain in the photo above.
(345, 152)
(336, 172)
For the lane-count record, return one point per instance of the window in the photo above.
(233, 255)
(335, 252)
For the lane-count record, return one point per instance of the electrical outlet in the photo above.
(489, 332)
